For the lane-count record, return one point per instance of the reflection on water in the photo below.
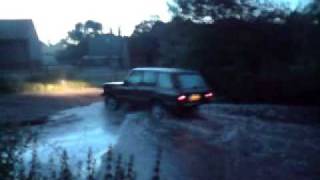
(75, 130)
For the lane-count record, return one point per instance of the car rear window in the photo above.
(191, 81)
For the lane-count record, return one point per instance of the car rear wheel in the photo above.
(158, 112)
(111, 103)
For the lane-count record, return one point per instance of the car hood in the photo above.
(114, 83)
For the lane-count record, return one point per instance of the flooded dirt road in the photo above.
(223, 142)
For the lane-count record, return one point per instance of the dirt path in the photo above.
(35, 108)
(229, 142)
(232, 142)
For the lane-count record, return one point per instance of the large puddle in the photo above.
(74, 130)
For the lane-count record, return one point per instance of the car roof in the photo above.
(168, 70)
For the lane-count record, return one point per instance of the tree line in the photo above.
(76, 42)
(248, 52)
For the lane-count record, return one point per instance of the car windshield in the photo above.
(191, 81)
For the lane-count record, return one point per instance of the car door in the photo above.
(129, 91)
(166, 90)
(147, 89)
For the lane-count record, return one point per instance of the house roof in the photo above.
(17, 29)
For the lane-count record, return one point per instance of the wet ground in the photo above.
(223, 142)
(35, 108)
(74, 130)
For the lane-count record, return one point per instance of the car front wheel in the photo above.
(158, 112)
(111, 103)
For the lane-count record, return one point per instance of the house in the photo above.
(19, 45)
(108, 50)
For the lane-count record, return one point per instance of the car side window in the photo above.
(135, 78)
(149, 78)
(165, 81)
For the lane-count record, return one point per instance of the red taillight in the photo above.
(181, 98)
(208, 95)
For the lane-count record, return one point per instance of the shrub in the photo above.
(44, 77)
(13, 166)
(15, 169)
(9, 84)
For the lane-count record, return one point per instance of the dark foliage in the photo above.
(12, 165)
(21, 171)
(243, 61)
(156, 170)
(119, 171)
(108, 171)
(34, 165)
(52, 169)
(212, 10)
(8, 84)
(65, 172)
(77, 41)
(12, 142)
(72, 53)
(130, 174)
(90, 165)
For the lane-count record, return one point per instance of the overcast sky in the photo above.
(54, 18)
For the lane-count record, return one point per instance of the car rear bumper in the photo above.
(187, 105)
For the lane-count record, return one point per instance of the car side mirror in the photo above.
(125, 83)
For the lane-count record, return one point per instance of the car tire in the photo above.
(158, 112)
(111, 103)
(124, 106)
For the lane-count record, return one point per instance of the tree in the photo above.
(75, 36)
(34, 165)
(245, 60)
(92, 27)
(144, 43)
(77, 41)
(82, 31)
(65, 172)
(314, 9)
(144, 27)
(210, 11)
(90, 165)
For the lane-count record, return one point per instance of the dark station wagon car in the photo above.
(163, 90)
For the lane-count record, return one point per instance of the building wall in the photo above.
(34, 44)
(13, 53)
(19, 44)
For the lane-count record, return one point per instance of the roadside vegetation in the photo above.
(14, 167)
(58, 168)
(248, 52)
(9, 84)
(64, 80)
(40, 83)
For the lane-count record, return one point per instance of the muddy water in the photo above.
(74, 130)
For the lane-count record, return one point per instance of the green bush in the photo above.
(45, 77)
